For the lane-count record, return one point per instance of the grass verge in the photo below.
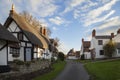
(108, 70)
(58, 67)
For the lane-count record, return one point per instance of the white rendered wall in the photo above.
(87, 55)
(3, 53)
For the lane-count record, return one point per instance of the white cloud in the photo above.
(54, 28)
(70, 5)
(100, 19)
(43, 8)
(113, 22)
(57, 20)
(97, 12)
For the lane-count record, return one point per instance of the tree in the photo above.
(61, 56)
(109, 48)
(33, 21)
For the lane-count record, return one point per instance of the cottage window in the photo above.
(20, 36)
(15, 51)
(100, 42)
(101, 52)
(119, 51)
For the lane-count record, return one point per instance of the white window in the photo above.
(119, 51)
(15, 51)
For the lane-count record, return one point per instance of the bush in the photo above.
(18, 62)
(61, 56)
(82, 57)
(52, 60)
(27, 64)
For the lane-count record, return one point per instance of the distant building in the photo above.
(85, 49)
(73, 54)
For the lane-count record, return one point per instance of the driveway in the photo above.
(73, 71)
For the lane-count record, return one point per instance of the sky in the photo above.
(69, 20)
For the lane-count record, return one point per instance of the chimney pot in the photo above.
(94, 33)
(82, 39)
(118, 32)
(112, 35)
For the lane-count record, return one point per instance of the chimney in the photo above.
(112, 35)
(82, 40)
(118, 32)
(44, 31)
(94, 33)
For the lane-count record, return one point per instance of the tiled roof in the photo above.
(103, 37)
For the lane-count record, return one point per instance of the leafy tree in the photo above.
(61, 56)
(109, 48)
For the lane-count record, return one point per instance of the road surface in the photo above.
(73, 71)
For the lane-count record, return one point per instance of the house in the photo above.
(32, 43)
(53, 49)
(98, 41)
(85, 49)
(6, 40)
(73, 54)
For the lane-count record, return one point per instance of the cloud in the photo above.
(112, 22)
(42, 8)
(97, 12)
(54, 28)
(100, 19)
(57, 20)
(70, 5)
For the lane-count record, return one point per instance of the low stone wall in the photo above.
(23, 72)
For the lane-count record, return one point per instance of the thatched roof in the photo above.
(33, 35)
(6, 35)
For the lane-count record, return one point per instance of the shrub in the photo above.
(82, 57)
(27, 64)
(109, 49)
(18, 62)
(61, 56)
(52, 60)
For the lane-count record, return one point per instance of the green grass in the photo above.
(108, 70)
(83, 61)
(58, 67)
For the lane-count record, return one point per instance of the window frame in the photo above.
(15, 51)
(101, 52)
(100, 42)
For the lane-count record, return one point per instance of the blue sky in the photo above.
(70, 20)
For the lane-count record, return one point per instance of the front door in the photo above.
(28, 54)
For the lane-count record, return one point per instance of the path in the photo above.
(73, 71)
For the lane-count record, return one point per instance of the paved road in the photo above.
(73, 71)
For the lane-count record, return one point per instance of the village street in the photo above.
(73, 71)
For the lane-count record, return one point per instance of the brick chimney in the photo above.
(44, 31)
(94, 33)
(118, 32)
(112, 35)
(82, 40)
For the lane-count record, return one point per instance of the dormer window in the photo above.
(100, 42)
